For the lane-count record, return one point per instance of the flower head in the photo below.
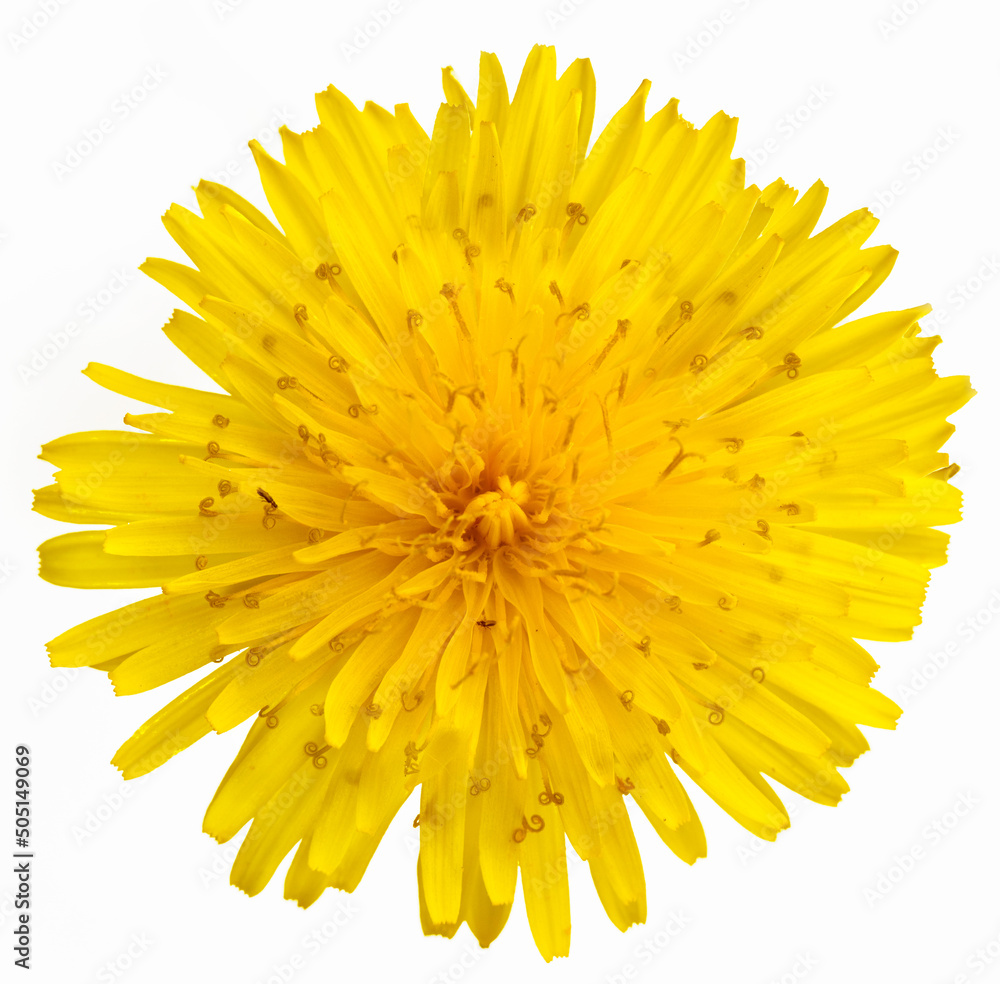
(533, 477)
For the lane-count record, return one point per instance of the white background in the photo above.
(903, 97)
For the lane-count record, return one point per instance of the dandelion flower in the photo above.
(533, 477)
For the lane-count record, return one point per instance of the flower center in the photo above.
(497, 517)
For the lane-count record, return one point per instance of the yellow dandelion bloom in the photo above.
(534, 477)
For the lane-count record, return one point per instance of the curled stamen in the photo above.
(417, 698)
(526, 213)
(716, 714)
(303, 432)
(733, 444)
(327, 272)
(205, 507)
(535, 824)
(270, 714)
(315, 535)
(687, 310)
(213, 449)
(478, 785)
(549, 797)
(414, 319)
(286, 382)
(373, 710)
(753, 332)
(318, 758)
(620, 332)
(627, 697)
(506, 287)
(200, 562)
(792, 363)
(581, 312)
(791, 508)
(698, 363)
(763, 529)
(450, 291)
(472, 250)
(576, 213)
(537, 735)
(645, 646)
(316, 709)
(472, 393)
(411, 753)
(220, 421)
(678, 458)
(215, 600)
(570, 425)
(554, 289)
(251, 600)
(254, 656)
(625, 786)
(224, 487)
(356, 409)
(758, 673)
(710, 537)
(338, 363)
(661, 725)
(301, 314)
(726, 604)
